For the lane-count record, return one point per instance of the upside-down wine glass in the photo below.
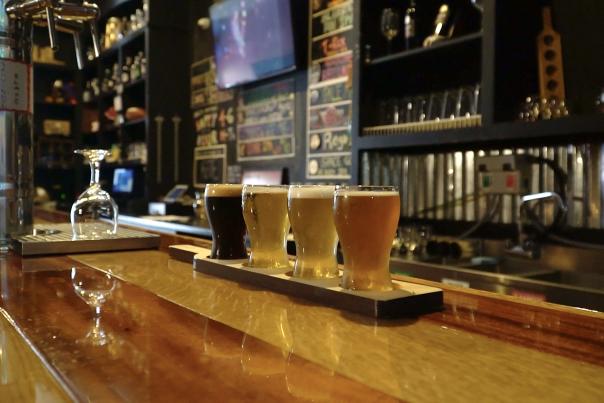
(94, 215)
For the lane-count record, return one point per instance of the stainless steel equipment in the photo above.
(17, 18)
(57, 239)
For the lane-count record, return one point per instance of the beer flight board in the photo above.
(405, 300)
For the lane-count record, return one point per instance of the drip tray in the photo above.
(56, 239)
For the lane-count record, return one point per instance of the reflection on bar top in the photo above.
(416, 359)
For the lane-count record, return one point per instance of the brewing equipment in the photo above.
(17, 19)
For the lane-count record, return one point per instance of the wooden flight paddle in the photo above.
(551, 73)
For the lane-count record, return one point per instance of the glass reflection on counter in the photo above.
(221, 341)
(94, 288)
(259, 357)
(306, 380)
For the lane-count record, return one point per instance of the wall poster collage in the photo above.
(214, 121)
(265, 122)
(329, 106)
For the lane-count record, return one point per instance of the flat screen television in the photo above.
(123, 180)
(253, 39)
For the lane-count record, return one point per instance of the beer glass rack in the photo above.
(405, 300)
(426, 126)
(54, 239)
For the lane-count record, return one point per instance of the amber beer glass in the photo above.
(366, 219)
(311, 217)
(265, 214)
(223, 207)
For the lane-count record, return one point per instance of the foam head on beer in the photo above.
(311, 192)
(223, 190)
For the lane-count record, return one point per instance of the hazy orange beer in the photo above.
(366, 219)
(265, 215)
(311, 218)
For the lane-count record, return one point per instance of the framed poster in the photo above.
(265, 122)
(213, 109)
(209, 165)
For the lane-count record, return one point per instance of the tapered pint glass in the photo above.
(366, 219)
(311, 217)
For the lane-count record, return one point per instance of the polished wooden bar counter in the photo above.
(167, 333)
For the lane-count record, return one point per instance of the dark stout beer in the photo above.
(223, 206)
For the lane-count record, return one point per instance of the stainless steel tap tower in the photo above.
(17, 18)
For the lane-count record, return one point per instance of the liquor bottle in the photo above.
(143, 65)
(135, 69)
(410, 26)
(440, 23)
(126, 70)
(87, 94)
(115, 77)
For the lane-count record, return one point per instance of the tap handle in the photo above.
(52, 31)
(78, 50)
(95, 39)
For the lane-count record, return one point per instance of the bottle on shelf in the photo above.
(411, 35)
(87, 94)
(135, 69)
(96, 89)
(106, 84)
(143, 64)
(115, 77)
(125, 77)
(440, 23)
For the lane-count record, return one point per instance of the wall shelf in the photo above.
(449, 44)
(127, 40)
(554, 130)
(135, 122)
(55, 67)
(135, 83)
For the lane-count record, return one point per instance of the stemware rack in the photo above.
(57, 239)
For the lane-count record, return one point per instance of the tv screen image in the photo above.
(253, 39)
(123, 180)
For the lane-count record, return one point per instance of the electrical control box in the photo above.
(504, 174)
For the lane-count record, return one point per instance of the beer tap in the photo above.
(16, 106)
(62, 16)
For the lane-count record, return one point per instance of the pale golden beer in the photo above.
(265, 215)
(366, 219)
(311, 217)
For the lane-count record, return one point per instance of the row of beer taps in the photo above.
(59, 15)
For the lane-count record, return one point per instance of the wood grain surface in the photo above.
(176, 335)
(23, 376)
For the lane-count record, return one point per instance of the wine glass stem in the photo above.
(97, 312)
(95, 172)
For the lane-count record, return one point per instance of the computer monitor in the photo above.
(123, 180)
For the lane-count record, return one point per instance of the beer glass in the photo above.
(366, 220)
(265, 215)
(223, 207)
(311, 217)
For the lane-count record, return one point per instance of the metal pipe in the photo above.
(16, 129)
(16, 105)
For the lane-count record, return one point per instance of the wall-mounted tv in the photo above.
(253, 39)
